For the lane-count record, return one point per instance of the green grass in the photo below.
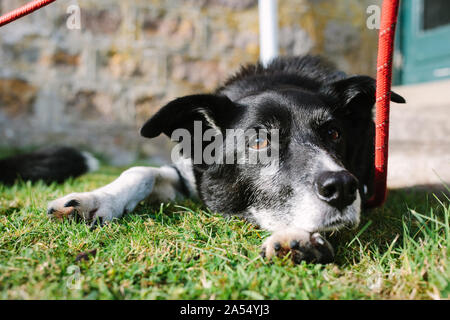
(183, 251)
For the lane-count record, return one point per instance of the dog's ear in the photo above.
(215, 111)
(356, 93)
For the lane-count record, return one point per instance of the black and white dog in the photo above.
(325, 156)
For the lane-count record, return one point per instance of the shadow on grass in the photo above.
(165, 213)
(8, 211)
(378, 230)
(381, 227)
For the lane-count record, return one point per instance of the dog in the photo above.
(325, 156)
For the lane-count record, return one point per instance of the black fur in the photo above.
(305, 98)
(53, 164)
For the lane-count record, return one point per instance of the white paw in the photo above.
(302, 245)
(88, 206)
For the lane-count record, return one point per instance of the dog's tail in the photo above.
(52, 164)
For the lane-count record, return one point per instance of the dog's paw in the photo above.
(88, 206)
(303, 246)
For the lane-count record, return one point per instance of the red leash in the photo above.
(389, 13)
(23, 11)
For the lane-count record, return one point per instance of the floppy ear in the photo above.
(356, 92)
(215, 111)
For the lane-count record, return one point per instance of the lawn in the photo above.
(183, 251)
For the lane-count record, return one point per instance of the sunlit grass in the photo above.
(183, 251)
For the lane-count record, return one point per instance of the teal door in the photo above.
(423, 41)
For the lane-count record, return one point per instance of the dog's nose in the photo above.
(337, 188)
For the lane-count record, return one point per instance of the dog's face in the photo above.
(324, 153)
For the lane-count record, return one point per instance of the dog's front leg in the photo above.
(303, 246)
(120, 196)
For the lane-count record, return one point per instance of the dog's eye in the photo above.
(258, 143)
(334, 134)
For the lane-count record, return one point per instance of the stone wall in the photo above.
(93, 87)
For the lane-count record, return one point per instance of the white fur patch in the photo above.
(313, 215)
(91, 162)
(328, 163)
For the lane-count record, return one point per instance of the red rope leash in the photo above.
(389, 13)
(23, 11)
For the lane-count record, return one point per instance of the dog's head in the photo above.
(323, 141)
